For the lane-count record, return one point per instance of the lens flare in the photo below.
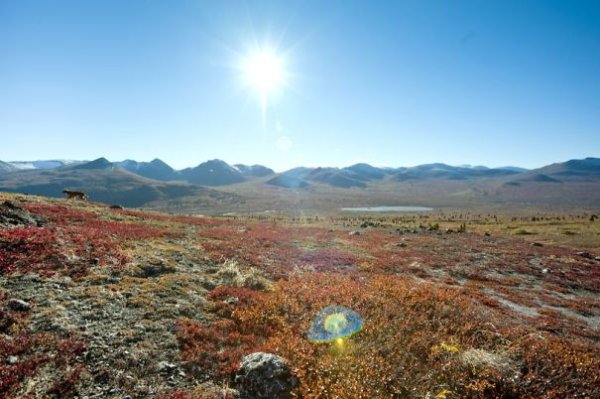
(334, 323)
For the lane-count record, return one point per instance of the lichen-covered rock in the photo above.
(19, 305)
(14, 215)
(264, 375)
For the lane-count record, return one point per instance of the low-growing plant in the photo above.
(232, 274)
(417, 340)
(24, 353)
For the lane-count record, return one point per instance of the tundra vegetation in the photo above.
(103, 302)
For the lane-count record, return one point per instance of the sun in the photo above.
(264, 71)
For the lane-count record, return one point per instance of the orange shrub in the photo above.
(414, 342)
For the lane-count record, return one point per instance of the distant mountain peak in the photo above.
(214, 172)
(254, 170)
(155, 169)
(100, 163)
(364, 171)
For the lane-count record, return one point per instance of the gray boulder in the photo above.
(264, 375)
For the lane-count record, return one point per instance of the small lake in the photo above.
(388, 209)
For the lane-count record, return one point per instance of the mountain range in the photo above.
(215, 182)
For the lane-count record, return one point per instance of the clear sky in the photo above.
(392, 83)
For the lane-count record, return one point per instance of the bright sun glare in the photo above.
(264, 71)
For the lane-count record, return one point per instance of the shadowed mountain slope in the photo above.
(213, 173)
(575, 170)
(103, 182)
(570, 184)
(5, 167)
(364, 171)
(335, 177)
(97, 164)
(288, 181)
(443, 171)
(155, 169)
(254, 170)
(578, 169)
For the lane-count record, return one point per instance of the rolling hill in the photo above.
(254, 170)
(243, 188)
(5, 167)
(443, 171)
(102, 181)
(155, 169)
(213, 173)
(587, 169)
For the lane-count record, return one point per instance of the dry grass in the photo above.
(234, 275)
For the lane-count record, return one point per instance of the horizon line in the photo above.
(294, 167)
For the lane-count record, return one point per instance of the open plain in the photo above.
(113, 303)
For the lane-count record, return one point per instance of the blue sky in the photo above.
(394, 83)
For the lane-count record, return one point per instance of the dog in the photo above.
(78, 195)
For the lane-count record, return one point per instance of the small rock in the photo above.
(232, 300)
(264, 375)
(486, 234)
(208, 284)
(154, 268)
(165, 367)
(537, 244)
(584, 254)
(354, 233)
(12, 360)
(545, 271)
(19, 305)
(597, 258)
(11, 205)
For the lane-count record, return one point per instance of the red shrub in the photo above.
(61, 215)
(216, 348)
(126, 230)
(328, 260)
(28, 248)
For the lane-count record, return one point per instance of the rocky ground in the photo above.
(124, 315)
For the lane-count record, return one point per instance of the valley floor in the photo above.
(111, 303)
